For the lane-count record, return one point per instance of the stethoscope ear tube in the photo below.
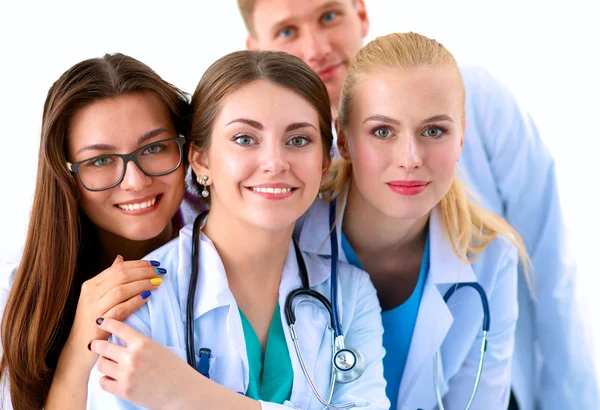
(482, 296)
(190, 349)
(333, 240)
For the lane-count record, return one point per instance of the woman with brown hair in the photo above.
(110, 182)
(261, 132)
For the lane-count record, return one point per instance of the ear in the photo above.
(198, 161)
(251, 43)
(341, 141)
(365, 24)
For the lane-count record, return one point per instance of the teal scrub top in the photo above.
(271, 375)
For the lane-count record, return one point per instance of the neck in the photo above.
(251, 256)
(370, 232)
(334, 110)
(112, 245)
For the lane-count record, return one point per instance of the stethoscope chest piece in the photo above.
(349, 364)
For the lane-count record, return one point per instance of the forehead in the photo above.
(416, 92)
(116, 120)
(267, 13)
(270, 104)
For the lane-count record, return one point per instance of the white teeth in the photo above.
(276, 191)
(139, 205)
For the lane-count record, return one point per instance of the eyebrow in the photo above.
(255, 124)
(278, 25)
(384, 118)
(252, 123)
(442, 117)
(298, 125)
(108, 147)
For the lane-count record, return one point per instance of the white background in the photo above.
(545, 51)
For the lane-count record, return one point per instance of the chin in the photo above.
(142, 234)
(273, 221)
(406, 209)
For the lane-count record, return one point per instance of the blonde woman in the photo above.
(405, 218)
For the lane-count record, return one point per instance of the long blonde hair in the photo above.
(470, 228)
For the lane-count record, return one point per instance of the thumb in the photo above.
(118, 259)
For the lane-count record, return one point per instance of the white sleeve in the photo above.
(525, 177)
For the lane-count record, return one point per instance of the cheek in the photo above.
(442, 161)
(92, 202)
(231, 167)
(368, 162)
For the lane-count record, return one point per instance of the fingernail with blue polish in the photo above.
(146, 294)
(154, 263)
(160, 271)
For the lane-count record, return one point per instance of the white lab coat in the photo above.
(507, 166)
(218, 326)
(455, 329)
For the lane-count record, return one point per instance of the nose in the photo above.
(316, 46)
(274, 160)
(408, 152)
(134, 179)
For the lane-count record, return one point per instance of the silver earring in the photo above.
(204, 192)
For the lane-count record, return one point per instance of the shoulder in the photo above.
(169, 253)
(486, 93)
(478, 79)
(500, 257)
(348, 275)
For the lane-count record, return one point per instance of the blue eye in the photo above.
(286, 32)
(244, 140)
(299, 141)
(433, 132)
(329, 16)
(382, 133)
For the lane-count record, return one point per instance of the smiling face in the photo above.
(325, 34)
(404, 138)
(140, 207)
(265, 159)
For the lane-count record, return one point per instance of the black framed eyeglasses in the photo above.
(107, 171)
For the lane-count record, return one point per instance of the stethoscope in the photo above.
(485, 327)
(347, 363)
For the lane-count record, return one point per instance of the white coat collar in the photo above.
(213, 290)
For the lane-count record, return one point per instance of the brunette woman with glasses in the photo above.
(110, 182)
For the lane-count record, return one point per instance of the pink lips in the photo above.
(412, 187)
(328, 72)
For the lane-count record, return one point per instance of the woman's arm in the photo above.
(113, 293)
(494, 388)
(138, 370)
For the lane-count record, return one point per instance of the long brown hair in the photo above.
(43, 299)
(231, 72)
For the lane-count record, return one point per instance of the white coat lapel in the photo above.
(434, 318)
